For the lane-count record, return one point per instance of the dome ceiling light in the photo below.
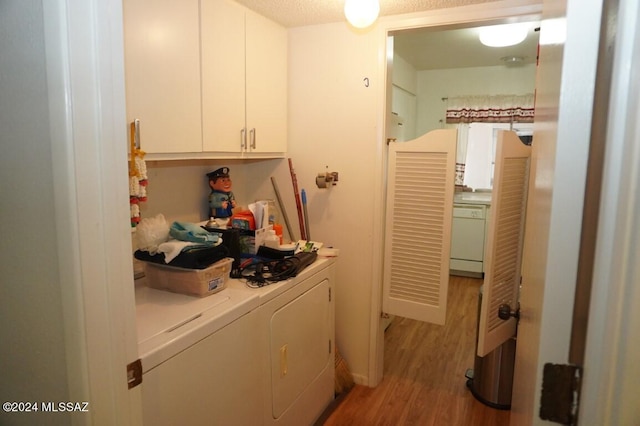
(504, 35)
(512, 59)
(361, 13)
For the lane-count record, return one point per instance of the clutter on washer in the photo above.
(183, 257)
(195, 282)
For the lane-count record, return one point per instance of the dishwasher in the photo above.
(467, 240)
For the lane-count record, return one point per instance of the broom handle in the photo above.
(306, 215)
(298, 202)
(284, 212)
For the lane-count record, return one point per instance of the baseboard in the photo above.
(471, 274)
(360, 379)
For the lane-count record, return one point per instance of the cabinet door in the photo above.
(214, 382)
(266, 58)
(162, 73)
(300, 347)
(223, 75)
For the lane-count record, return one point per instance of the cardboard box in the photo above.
(194, 282)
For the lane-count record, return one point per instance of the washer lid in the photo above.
(168, 323)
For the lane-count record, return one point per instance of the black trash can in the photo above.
(491, 379)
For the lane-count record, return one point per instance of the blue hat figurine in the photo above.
(221, 199)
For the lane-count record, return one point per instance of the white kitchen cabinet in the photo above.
(266, 85)
(205, 78)
(244, 80)
(162, 73)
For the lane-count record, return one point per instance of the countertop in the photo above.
(472, 198)
(168, 323)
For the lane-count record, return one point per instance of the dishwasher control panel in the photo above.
(469, 211)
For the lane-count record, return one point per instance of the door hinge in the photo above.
(134, 373)
(560, 395)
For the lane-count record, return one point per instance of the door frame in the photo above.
(475, 15)
(87, 124)
(612, 347)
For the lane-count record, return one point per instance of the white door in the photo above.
(504, 240)
(418, 226)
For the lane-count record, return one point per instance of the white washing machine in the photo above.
(200, 357)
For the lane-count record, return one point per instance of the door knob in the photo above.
(505, 312)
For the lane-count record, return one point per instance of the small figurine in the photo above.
(221, 199)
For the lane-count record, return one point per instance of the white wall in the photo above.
(333, 122)
(33, 357)
(404, 74)
(433, 85)
(180, 189)
(403, 100)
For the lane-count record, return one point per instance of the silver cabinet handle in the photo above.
(252, 134)
(136, 125)
(243, 138)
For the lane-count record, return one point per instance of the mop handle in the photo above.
(284, 212)
(306, 214)
(294, 181)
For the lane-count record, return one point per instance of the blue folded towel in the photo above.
(185, 231)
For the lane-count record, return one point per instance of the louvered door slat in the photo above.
(504, 240)
(418, 226)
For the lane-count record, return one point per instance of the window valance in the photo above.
(490, 109)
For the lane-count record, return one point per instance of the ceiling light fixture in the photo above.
(512, 59)
(504, 35)
(361, 13)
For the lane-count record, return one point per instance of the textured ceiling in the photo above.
(296, 13)
(426, 49)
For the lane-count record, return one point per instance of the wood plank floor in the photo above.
(425, 364)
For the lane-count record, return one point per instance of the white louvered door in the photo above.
(418, 226)
(503, 252)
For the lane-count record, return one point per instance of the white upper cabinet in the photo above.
(206, 79)
(244, 80)
(162, 74)
(266, 85)
(223, 76)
